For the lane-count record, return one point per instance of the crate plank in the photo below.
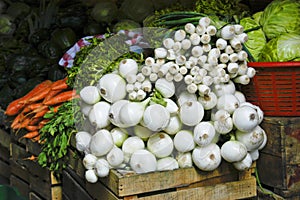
(72, 188)
(4, 153)
(34, 196)
(48, 190)
(4, 138)
(282, 152)
(222, 191)
(4, 169)
(21, 185)
(19, 170)
(128, 184)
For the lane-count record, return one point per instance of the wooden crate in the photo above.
(223, 183)
(279, 162)
(42, 183)
(4, 145)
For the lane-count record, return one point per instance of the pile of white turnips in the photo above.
(195, 72)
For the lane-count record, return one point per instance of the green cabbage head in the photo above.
(281, 16)
(281, 49)
(256, 37)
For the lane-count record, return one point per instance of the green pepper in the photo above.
(49, 49)
(39, 36)
(18, 10)
(64, 37)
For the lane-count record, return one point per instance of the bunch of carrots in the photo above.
(30, 109)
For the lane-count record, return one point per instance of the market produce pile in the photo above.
(176, 109)
(156, 98)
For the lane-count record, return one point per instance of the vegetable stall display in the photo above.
(170, 106)
(179, 107)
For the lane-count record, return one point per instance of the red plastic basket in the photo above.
(275, 88)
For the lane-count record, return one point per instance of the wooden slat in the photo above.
(4, 169)
(20, 185)
(72, 188)
(282, 152)
(4, 139)
(133, 184)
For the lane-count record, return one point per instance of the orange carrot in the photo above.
(34, 121)
(22, 123)
(36, 90)
(40, 95)
(30, 135)
(51, 94)
(62, 97)
(17, 105)
(32, 158)
(60, 84)
(17, 120)
(14, 108)
(43, 122)
(36, 139)
(31, 128)
(41, 113)
(31, 107)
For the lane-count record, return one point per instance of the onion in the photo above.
(119, 135)
(233, 151)
(101, 142)
(184, 159)
(191, 112)
(166, 88)
(102, 167)
(143, 161)
(245, 118)
(114, 113)
(223, 122)
(132, 113)
(207, 158)
(98, 115)
(115, 157)
(204, 133)
(85, 108)
(174, 125)
(142, 132)
(252, 139)
(130, 145)
(127, 67)
(160, 144)
(90, 94)
(208, 101)
(243, 164)
(167, 163)
(112, 87)
(83, 139)
(228, 102)
(183, 141)
(156, 117)
(90, 176)
(89, 161)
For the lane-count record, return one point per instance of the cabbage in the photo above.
(256, 37)
(281, 16)
(283, 48)
(256, 16)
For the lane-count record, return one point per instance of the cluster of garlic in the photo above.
(195, 71)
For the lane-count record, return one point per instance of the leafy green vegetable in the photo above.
(283, 48)
(56, 136)
(99, 58)
(227, 10)
(281, 16)
(256, 37)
